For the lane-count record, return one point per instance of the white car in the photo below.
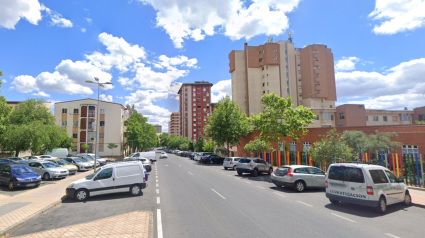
(112, 178)
(31, 157)
(48, 170)
(231, 162)
(367, 185)
(101, 161)
(47, 157)
(80, 163)
(163, 155)
(201, 154)
(89, 159)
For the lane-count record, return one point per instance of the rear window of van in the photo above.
(378, 176)
(354, 175)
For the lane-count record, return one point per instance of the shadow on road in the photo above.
(104, 197)
(363, 211)
(291, 190)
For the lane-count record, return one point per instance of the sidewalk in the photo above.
(418, 196)
(14, 210)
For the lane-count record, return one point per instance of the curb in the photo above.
(44, 210)
(150, 225)
(418, 205)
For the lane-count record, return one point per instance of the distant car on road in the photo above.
(212, 159)
(48, 170)
(18, 175)
(231, 162)
(254, 166)
(298, 177)
(163, 155)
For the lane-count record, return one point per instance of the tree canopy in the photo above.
(208, 146)
(164, 138)
(140, 134)
(227, 123)
(259, 146)
(5, 110)
(199, 146)
(329, 148)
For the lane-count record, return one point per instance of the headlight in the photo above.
(39, 177)
(56, 172)
(19, 179)
(71, 185)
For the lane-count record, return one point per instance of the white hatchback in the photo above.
(231, 162)
(367, 185)
(112, 178)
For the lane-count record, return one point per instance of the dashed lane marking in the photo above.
(157, 191)
(218, 194)
(260, 187)
(342, 217)
(190, 173)
(391, 235)
(279, 194)
(158, 201)
(305, 203)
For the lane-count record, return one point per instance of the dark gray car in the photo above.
(254, 166)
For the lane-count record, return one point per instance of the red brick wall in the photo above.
(407, 134)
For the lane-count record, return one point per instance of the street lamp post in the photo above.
(97, 117)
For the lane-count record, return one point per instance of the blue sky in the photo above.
(147, 47)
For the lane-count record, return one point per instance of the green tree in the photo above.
(358, 141)
(227, 124)
(329, 148)
(141, 134)
(131, 109)
(208, 146)
(5, 111)
(259, 146)
(381, 142)
(420, 122)
(112, 146)
(199, 144)
(85, 147)
(280, 119)
(164, 138)
(191, 146)
(184, 146)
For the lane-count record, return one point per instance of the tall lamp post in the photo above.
(97, 117)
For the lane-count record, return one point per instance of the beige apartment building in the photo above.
(306, 75)
(158, 129)
(80, 116)
(174, 124)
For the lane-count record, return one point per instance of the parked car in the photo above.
(6, 161)
(65, 164)
(58, 153)
(145, 161)
(163, 155)
(101, 161)
(231, 162)
(192, 155)
(212, 159)
(148, 155)
(29, 158)
(81, 164)
(48, 170)
(48, 157)
(367, 185)
(18, 176)
(199, 155)
(89, 159)
(18, 160)
(254, 166)
(298, 177)
(180, 153)
(112, 178)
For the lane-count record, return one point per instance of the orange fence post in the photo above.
(287, 158)
(278, 158)
(271, 158)
(393, 160)
(396, 156)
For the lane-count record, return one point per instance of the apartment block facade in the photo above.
(158, 129)
(174, 124)
(194, 108)
(306, 75)
(80, 116)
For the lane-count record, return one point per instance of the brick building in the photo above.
(174, 124)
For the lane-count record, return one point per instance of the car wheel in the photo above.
(234, 167)
(135, 190)
(270, 171)
(240, 173)
(11, 185)
(225, 168)
(255, 173)
(211, 162)
(81, 195)
(46, 176)
(299, 186)
(334, 202)
(407, 199)
(382, 205)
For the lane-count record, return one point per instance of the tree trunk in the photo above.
(228, 149)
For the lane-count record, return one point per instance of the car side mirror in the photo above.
(400, 180)
(95, 179)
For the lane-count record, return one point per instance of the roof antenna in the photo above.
(290, 36)
(270, 39)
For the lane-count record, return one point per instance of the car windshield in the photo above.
(62, 162)
(21, 169)
(50, 165)
(88, 177)
(79, 160)
(244, 161)
(88, 158)
(163, 153)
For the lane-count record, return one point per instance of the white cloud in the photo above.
(11, 11)
(221, 89)
(184, 19)
(41, 94)
(398, 15)
(57, 18)
(180, 60)
(4, 80)
(119, 97)
(103, 97)
(346, 63)
(400, 85)
(83, 30)
(89, 20)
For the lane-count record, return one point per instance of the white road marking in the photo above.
(218, 194)
(157, 185)
(391, 235)
(342, 217)
(260, 187)
(180, 166)
(158, 201)
(247, 182)
(159, 223)
(279, 194)
(190, 173)
(156, 176)
(222, 172)
(305, 203)
(157, 190)
(228, 175)
(157, 179)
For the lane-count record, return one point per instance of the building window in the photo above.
(317, 117)
(410, 149)
(101, 148)
(261, 52)
(317, 75)
(317, 92)
(198, 87)
(199, 122)
(367, 118)
(315, 51)
(326, 116)
(293, 146)
(385, 118)
(341, 116)
(263, 84)
(306, 146)
(101, 135)
(64, 123)
(317, 83)
(275, 50)
(75, 123)
(375, 118)
(75, 135)
(421, 117)
(102, 111)
(395, 119)
(274, 58)
(102, 123)
(316, 59)
(75, 110)
(267, 83)
(264, 92)
(261, 60)
(64, 110)
(316, 67)
(404, 117)
(262, 69)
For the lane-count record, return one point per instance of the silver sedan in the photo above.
(298, 177)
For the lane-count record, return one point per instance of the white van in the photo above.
(112, 178)
(367, 185)
(58, 153)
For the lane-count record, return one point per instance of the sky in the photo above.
(147, 48)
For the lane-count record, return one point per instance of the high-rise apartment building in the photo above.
(80, 116)
(306, 75)
(194, 108)
(158, 129)
(174, 124)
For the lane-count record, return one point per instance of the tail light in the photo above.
(369, 190)
(274, 171)
(251, 165)
(326, 184)
(289, 173)
(231, 162)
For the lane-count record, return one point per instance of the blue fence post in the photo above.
(382, 160)
(417, 171)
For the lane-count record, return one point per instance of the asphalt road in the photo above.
(207, 201)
